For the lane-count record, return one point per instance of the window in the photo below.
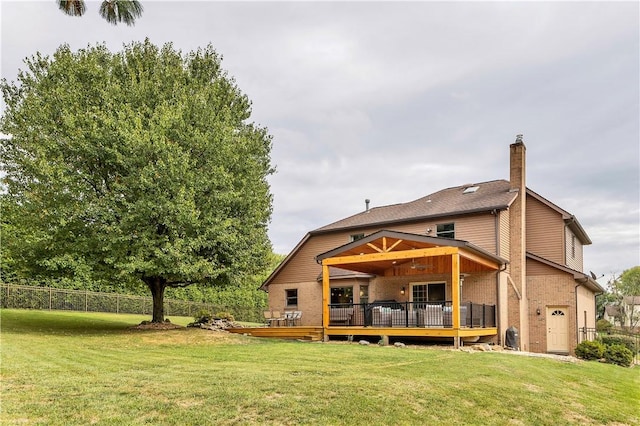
(431, 292)
(470, 189)
(342, 295)
(356, 237)
(573, 246)
(445, 230)
(292, 297)
(364, 294)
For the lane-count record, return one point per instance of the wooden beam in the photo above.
(478, 259)
(394, 245)
(325, 296)
(404, 254)
(455, 290)
(379, 250)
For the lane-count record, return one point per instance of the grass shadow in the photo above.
(65, 323)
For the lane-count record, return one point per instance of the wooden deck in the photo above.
(411, 331)
(312, 333)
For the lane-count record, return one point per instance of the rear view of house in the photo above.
(470, 262)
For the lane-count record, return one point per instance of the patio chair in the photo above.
(295, 317)
(275, 318)
(267, 317)
(292, 317)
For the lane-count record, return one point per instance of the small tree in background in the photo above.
(626, 291)
(137, 165)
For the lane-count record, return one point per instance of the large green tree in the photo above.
(141, 163)
(628, 283)
(626, 288)
(113, 11)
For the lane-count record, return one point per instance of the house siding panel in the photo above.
(545, 231)
(586, 308)
(479, 230)
(574, 258)
(303, 266)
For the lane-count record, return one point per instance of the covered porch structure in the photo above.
(390, 256)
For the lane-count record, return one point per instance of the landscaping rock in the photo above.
(482, 348)
(215, 324)
(399, 345)
(363, 342)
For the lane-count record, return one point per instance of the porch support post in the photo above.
(325, 298)
(455, 297)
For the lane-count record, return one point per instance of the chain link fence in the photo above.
(14, 296)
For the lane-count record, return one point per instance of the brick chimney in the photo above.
(517, 166)
(518, 303)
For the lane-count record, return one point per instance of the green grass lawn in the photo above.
(65, 368)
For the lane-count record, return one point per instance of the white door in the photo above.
(557, 330)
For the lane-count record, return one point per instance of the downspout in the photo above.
(502, 269)
(496, 226)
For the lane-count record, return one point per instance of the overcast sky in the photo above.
(394, 101)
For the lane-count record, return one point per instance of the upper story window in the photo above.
(292, 297)
(445, 230)
(356, 237)
(573, 246)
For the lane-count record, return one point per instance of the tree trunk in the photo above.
(157, 286)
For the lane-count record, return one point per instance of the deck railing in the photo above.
(411, 314)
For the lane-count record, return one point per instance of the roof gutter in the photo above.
(574, 225)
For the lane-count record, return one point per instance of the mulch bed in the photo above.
(148, 325)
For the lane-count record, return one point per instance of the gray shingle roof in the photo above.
(490, 195)
(632, 300)
(612, 310)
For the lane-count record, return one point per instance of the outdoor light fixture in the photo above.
(538, 311)
(402, 291)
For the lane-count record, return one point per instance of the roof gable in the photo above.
(393, 249)
(570, 220)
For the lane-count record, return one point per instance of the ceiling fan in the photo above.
(419, 266)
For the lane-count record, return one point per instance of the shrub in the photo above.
(618, 354)
(625, 341)
(225, 316)
(202, 316)
(603, 326)
(590, 350)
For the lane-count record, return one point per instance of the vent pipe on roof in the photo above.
(366, 203)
